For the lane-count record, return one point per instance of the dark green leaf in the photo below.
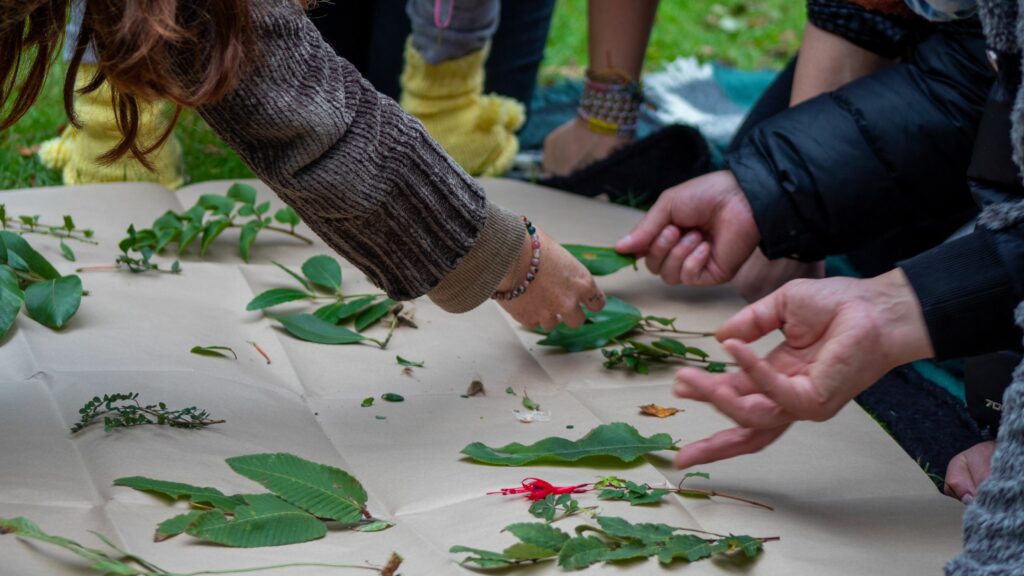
(715, 367)
(528, 403)
(660, 320)
(613, 307)
(582, 551)
(644, 533)
(246, 210)
(510, 391)
(373, 314)
(697, 352)
(69, 223)
(176, 490)
(303, 281)
(211, 231)
(287, 216)
(321, 490)
(392, 397)
(544, 509)
(323, 271)
(670, 345)
(247, 237)
(483, 559)
(408, 363)
(66, 250)
(262, 208)
(188, 235)
(275, 297)
(600, 261)
(312, 329)
(215, 351)
(538, 534)
(164, 236)
(590, 336)
(524, 552)
(11, 298)
(169, 221)
(174, 526)
(367, 402)
(618, 440)
(750, 546)
(35, 261)
(340, 311)
(220, 205)
(242, 193)
(265, 520)
(53, 302)
(688, 547)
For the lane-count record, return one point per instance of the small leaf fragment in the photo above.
(214, 351)
(658, 411)
(367, 402)
(408, 363)
(66, 250)
(392, 397)
(528, 403)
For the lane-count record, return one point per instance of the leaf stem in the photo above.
(280, 567)
(279, 230)
(699, 493)
(45, 230)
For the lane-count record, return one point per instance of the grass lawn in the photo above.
(746, 34)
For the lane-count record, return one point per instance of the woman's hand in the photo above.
(555, 296)
(968, 469)
(573, 146)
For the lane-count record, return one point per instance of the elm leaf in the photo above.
(618, 440)
(312, 329)
(264, 520)
(177, 490)
(52, 303)
(600, 261)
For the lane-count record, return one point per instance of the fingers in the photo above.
(595, 301)
(800, 396)
(574, 318)
(755, 320)
(959, 482)
(694, 270)
(670, 270)
(726, 444)
(747, 410)
(660, 248)
(639, 240)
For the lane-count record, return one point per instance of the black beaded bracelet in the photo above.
(534, 266)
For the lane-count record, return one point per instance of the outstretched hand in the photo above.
(698, 233)
(841, 335)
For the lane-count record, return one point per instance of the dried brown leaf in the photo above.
(658, 411)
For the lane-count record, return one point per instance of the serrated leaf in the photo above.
(288, 216)
(748, 545)
(173, 526)
(484, 559)
(34, 261)
(275, 297)
(323, 271)
(322, 490)
(242, 193)
(644, 533)
(67, 252)
(11, 298)
(545, 509)
(590, 336)
(373, 314)
(526, 552)
(214, 351)
(688, 547)
(340, 311)
(600, 261)
(312, 329)
(290, 272)
(211, 231)
(246, 238)
(582, 551)
(54, 302)
(538, 534)
(220, 205)
(264, 520)
(618, 440)
(176, 490)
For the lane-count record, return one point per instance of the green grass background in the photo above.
(746, 34)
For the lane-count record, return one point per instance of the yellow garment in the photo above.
(75, 152)
(477, 131)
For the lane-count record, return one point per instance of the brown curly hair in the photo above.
(190, 52)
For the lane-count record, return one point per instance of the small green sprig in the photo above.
(23, 224)
(123, 410)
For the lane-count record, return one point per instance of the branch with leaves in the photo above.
(27, 278)
(23, 224)
(125, 411)
(319, 283)
(123, 563)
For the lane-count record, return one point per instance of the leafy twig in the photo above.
(699, 493)
(125, 411)
(32, 225)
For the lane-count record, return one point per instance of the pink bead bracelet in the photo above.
(534, 266)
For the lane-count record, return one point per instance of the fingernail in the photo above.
(666, 238)
(690, 239)
(701, 250)
(967, 499)
(625, 240)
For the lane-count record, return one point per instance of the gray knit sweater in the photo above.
(363, 174)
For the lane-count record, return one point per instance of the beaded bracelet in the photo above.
(534, 267)
(610, 107)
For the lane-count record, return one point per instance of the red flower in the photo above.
(537, 489)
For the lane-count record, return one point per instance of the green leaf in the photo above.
(164, 236)
(644, 533)
(69, 223)
(528, 403)
(582, 551)
(303, 281)
(214, 351)
(703, 475)
(242, 193)
(670, 345)
(374, 526)
(35, 261)
(173, 526)
(392, 397)
(538, 534)
(25, 528)
(275, 297)
(618, 440)
(715, 367)
(53, 302)
(287, 216)
(688, 547)
(188, 235)
(11, 298)
(263, 208)
(510, 391)
(66, 250)
(264, 520)
(373, 314)
(367, 402)
(545, 509)
(176, 490)
(211, 231)
(524, 552)
(247, 237)
(749, 545)
(409, 363)
(635, 494)
(323, 271)
(613, 306)
(321, 490)
(484, 559)
(312, 329)
(600, 261)
(590, 336)
(220, 205)
(340, 311)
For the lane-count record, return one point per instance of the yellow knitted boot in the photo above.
(75, 152)
(477, 131)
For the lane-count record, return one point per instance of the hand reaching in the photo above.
(968, 469)
(573, 146)
(698, 233)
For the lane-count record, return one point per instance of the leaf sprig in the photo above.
(123, 410)
(23, 224)
(27, 278)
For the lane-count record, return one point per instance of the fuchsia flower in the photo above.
(537, 489)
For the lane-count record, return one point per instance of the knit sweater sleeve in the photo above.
(364, 175)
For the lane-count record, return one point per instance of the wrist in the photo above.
(610, 104)
(903, 328)
(526, 267)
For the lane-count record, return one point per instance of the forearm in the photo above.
(618, 34)
(364, 175)
(828, 61)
